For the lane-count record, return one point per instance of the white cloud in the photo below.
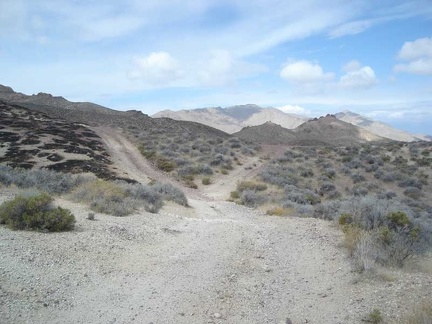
(418, 55)
(304, 72)
(216, 71)
(221, 68)
(357, 76)
(351, 28)
(294, 109)
(421, 66)
(158, 68)
(419, 48)
(351, 66)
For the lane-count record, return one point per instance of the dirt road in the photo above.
(214, 262)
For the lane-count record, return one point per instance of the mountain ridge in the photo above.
(377, 127)
(233, 119)
(228, 120)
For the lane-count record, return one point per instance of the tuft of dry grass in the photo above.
(276, 211)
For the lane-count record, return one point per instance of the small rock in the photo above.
(217, 315)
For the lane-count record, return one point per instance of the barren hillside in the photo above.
(323, 131)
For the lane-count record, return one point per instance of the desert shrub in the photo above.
(217, 160)
(251, 185)
(354, 164)
(387, 195)
(171, 193)
(357, 177)
(35, 213)
(388, 177)
(234, 142)
(190, 183)
(395, 234)
(365, 250)
(168, 152)
(329, 173)
(413, 192)
(371, 167)
(147, 152)
(378, 174)
(134, 193)
(399, 161)
(304, 210)
(104, 197)
(410, 182)
(206, 181)
(301, 196)
(424, 162)
(279, 175)
(251, 198)
(326, 188)
(221, 150)
(165, 164)
(308, 173)
(235, 194)
(327, 210)
(359, 191)
(45, 180)
(117, 198)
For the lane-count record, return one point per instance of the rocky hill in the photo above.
(233, 119)
(324, 131)
(380, 128)
(96, 115)
(33, 139)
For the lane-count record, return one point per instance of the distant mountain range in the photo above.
(235, 118)
(379, 128)
(249, 122)
(95, 115)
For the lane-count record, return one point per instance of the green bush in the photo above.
(35, 213)
(206, 181)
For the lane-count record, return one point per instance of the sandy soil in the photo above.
(214, 262)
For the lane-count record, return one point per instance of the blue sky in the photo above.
(307, 57)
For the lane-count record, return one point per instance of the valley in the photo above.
(211, 260)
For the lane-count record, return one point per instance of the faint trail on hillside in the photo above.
(222, 185)
(129, 162)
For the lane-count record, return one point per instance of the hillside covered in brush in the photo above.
(322, 131)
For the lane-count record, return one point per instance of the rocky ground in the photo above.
(213, 262)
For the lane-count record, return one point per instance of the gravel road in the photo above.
(213, 262)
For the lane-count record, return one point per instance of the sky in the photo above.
(308, 57)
